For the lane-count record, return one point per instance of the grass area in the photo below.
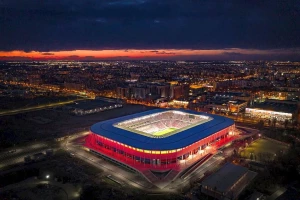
(263, 149)
(12, 103)
(163, 132)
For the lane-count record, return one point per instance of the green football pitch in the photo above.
(163, 132)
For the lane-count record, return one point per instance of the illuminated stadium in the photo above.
(160, 140)
(162, 124)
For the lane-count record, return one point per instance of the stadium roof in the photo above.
(176, 141)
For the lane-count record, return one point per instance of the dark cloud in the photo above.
(233, 53)
(90, 57)
(163, 52)
(48, 54)
(148, 24)
(72, 57)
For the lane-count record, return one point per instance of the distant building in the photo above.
(145, 90)
(140, 92)
(93, 106)
(236, 106)
(232, 95)
(217, 106)
(180, 102)
(280, 95)
(270, 109)
(226, 105)
(123, 92)
(163, 90)
(228, 182)
(178, 91)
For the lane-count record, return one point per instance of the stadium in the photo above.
(160, 140)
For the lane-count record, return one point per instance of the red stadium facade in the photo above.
(155, 160)
(158, 160)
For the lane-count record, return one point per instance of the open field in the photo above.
(48, 124)
(163, 132)
(263, 149)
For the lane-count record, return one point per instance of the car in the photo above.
(12, 151)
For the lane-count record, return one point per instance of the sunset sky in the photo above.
(149, 29)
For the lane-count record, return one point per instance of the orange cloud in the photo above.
(133, 53)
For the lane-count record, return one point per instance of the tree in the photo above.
(286, 123)
(295, 124)
(251, 156)
(260, 124)
(274, 122)
(215, 192)
(234, 152)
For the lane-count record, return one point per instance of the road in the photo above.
(35, 108)
(16, 157)
(75, 149)
(213, 163)
(68, 190)
(119, 173)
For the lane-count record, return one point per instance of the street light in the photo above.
(47, 176)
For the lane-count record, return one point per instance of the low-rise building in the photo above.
(93, 106)
(274, 109)
(228, 182)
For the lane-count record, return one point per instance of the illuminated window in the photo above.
(156, 152)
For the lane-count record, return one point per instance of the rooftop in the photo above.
(276, 106)
(91, 104)
(230, 94)
(225, 177)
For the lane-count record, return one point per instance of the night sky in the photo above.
(150, 29)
